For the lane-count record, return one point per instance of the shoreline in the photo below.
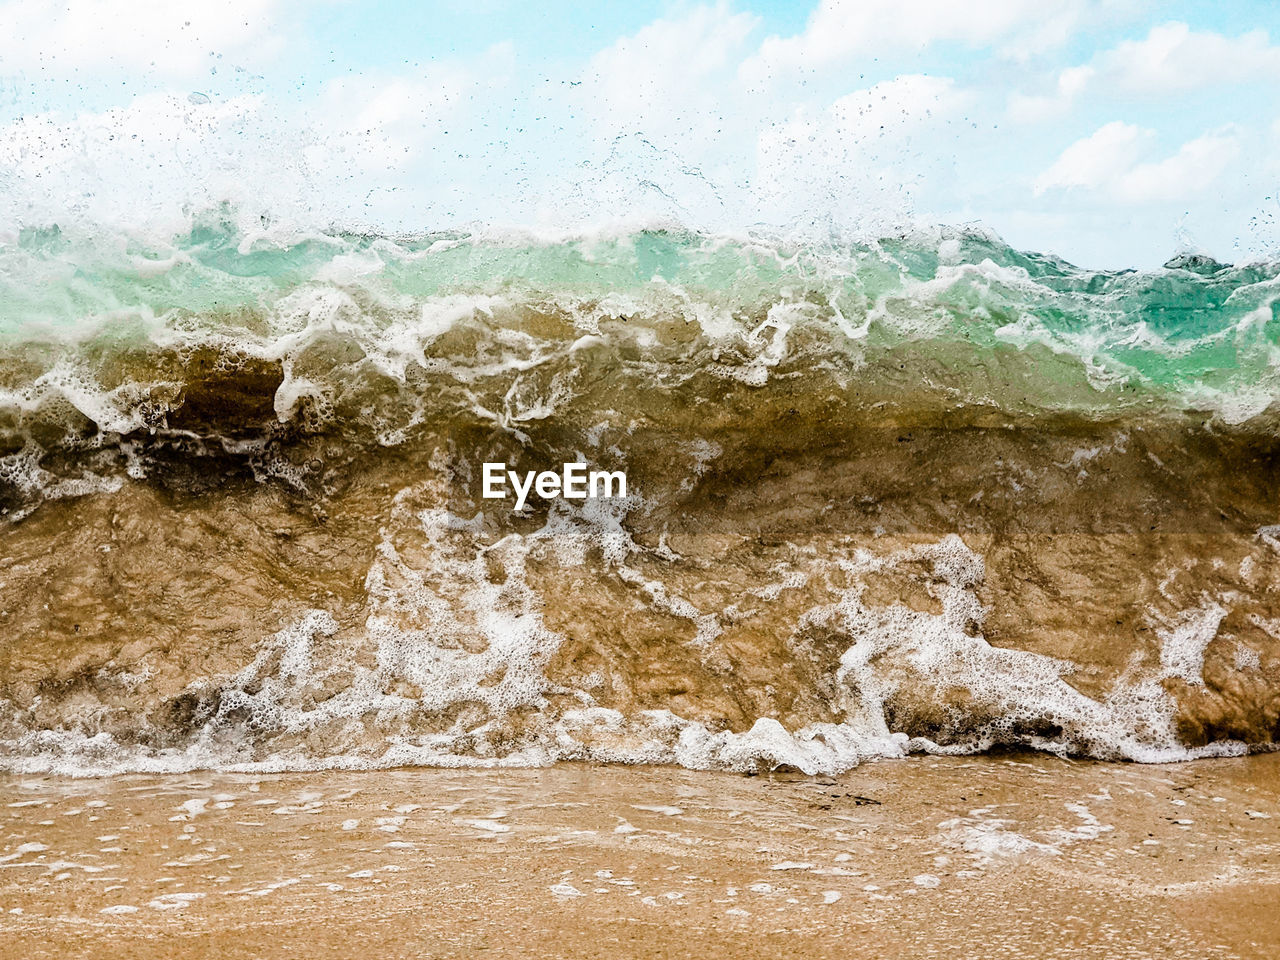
(1009, 854)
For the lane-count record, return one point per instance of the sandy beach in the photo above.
(999, 856)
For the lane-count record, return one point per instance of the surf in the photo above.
(923, 494)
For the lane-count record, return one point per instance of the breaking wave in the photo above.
(928, 493)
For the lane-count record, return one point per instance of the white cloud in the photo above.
(1110, 161)
(169, 37)
(864, 155)
(841, 29)
(1096, 159)
(1193, 169)
(1030, 109)
(385, 123)
(671, 78)
(671, 103)
(1171, 60)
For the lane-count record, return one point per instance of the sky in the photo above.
(1113, 133)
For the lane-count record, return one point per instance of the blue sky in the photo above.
(1112, 132)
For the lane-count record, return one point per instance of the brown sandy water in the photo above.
(997, 856)
(964, 589)
(880, 501)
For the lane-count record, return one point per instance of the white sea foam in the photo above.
(438, 625)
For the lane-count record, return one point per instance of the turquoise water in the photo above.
(1197, 334)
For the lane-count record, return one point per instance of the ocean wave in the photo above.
(926, 493)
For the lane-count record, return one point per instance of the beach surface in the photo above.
(1014, 855)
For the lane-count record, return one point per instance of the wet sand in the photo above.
(995, 856)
